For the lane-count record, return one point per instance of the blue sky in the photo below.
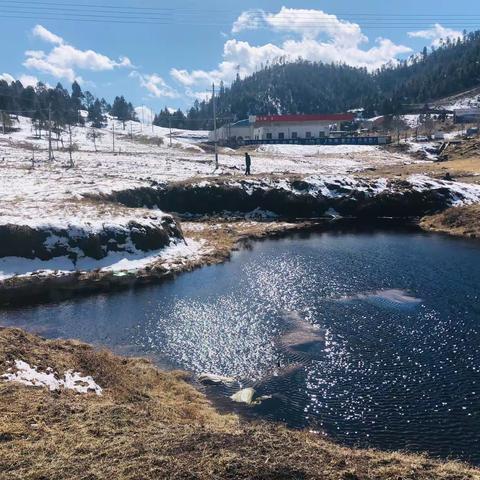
(168, 53)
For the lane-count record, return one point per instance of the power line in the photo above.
(171, 16)
(376, 25)
(208, 12)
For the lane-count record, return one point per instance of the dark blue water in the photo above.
(377, 335)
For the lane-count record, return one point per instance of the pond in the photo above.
(372, 339)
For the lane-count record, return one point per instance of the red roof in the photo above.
(330, 117)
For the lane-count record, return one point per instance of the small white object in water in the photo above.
(244, 396)
(210, 378)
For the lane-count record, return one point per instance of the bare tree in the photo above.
(70, 147)
(93, 134)
(6, 121)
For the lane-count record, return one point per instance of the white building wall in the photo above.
(228, 132)
(315, 129)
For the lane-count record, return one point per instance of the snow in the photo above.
(51, 193)
(114, 262)
(340, 186)
(27, 375)
(412, 120)
(54, 197)
(423, 147)
(467, 99)
(461, 193)
(261, 214)
(306, 150)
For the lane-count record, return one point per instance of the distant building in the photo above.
(294, 127)
(467, 115)
(281, 128)
(236, 132)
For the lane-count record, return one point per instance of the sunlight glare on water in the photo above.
(377, 335)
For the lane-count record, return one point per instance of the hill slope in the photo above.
(149, 424)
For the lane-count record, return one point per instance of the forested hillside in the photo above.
(309, 87)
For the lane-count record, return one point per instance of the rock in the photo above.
(211, 379)
(244, 396)
(262, 399)
(247, 395)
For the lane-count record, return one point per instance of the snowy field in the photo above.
(55, 192)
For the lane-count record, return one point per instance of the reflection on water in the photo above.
(376, 335)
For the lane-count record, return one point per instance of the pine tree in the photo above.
(122, 110)
(95, 115)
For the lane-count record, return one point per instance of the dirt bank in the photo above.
(47, 241)
(460, 221)
(304, 197)
(149, 424)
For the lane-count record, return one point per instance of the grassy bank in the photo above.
(149, 424)
(458, 221)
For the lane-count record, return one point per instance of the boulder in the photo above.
(244, 396)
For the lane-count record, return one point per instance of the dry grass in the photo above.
(458, 221)
(225, 236)
(461, 169)
(153, 425)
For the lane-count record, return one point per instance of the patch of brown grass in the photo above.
(151, 424)
(226, 235)
(458, 221)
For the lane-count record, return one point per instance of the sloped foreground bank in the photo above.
(150, 424)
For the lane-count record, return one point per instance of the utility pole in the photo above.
(215, 126)
(113, 136)
(3, 120)
(170, 127)
(70, 146)
(50, 153)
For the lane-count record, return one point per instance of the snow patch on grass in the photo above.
(460, 193)
(25, 374)
(310, 150)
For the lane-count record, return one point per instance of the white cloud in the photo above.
(155, 84)
(238, 57)
(249, 20)
(315, 35)
(63, 60)
(144, 114)
(313, 23)
(7, 77)
(28, 80)
(203, 95)
(41, 32)
(436, 34)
